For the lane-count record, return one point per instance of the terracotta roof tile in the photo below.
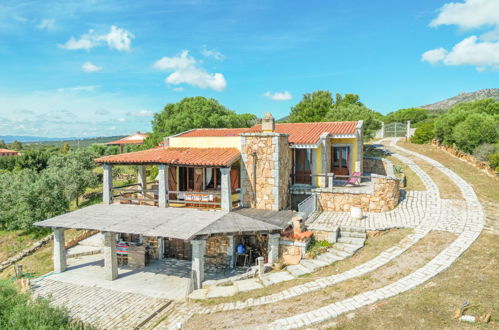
(8, 151)
(310, 133)
(177, 156)
(137, 138)
(299, 133)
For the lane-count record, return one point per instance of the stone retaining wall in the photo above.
(385, 197)
(25, 252)
(378, 165)
(483, 166)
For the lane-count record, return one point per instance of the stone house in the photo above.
(220, 188)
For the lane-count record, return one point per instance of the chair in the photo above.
(354, 179)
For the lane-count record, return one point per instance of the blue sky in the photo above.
(98, 68)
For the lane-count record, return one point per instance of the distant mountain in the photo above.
(56, 141)
(463, 97)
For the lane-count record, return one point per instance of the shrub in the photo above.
(483, 151)
(424, 133)
(415, 115)
(19, 311)
(476, 129)
(494, 161)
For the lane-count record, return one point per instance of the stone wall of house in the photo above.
(483, 166)
(385, 197)
(266, 169)
(215, 246)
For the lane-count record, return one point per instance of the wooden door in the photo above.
(341, 160)
(303, 166)
(172, 181)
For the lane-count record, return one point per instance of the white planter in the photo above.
(356, 212)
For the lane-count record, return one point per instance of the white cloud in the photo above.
(186, 70)
(470, 51)
(279, 96)
(213, 53)
(178, 89)
(117, 38)
(469, 14)
(121, 120)
(90, 67)
(89, 88)
(141, 113)
(434, 56)
(46, 24)
(479, 51)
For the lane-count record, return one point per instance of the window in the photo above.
(341, 160)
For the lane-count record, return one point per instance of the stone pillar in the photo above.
(59, 250)
(382, 129)
(231, 251)
(110, 259)
(330, 180)
(326, 146)
(408, 133)
(226, 189)
(161, 248)
(163, 185)
(107, 184)
(198, 252)
(142, 177)
(273, 247)
(360, 146)
(261, 266)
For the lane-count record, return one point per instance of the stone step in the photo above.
(352, 229)
(351, 240)
(347, 247)
(353, 234)
(277, 277)
(297, 270)
(309, 265)
(342, 254)
(328, 257)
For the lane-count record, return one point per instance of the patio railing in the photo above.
(308, 206)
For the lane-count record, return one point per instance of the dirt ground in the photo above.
(412, 259)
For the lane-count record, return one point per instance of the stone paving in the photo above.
(471, 222)
(103, 308)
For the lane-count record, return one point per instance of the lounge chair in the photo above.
(354, 179)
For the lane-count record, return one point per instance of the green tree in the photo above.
(75, 172)
(476, 129)
(445, 124)
(65, 148)
(33, 159)
(29, 197)
(2, 144)
(194, 112)
(354, 112)
(424, 133)
(16, 145)
(415, 115)
(312, 108)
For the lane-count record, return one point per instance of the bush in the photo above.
(476, 129)
(415, 115)
(424, 133)
(483, 151)
(20, 311)
(494, 161)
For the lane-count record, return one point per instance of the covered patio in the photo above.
(157, 225)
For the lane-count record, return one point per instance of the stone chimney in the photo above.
(268, 123)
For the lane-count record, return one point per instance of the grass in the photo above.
(412, 259)
(413, 180)
(485, 186)
(376, 243)
(472, 278)
(13, 242)
(40, 262)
